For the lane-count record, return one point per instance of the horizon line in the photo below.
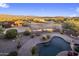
(36, 16)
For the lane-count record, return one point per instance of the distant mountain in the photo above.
(7, 17)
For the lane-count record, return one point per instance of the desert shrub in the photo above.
(1, 33)
(18, 46)
(32, 36)
(72, 53)
(27, 32)
(77, 49)
(44, 37)
(33, 50)
(48, 36)
(1, 30)
(62, 31)
(10, 34)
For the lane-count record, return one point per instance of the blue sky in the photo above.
(40, 9)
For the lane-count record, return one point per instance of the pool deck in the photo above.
(63, 53)
(26, 48)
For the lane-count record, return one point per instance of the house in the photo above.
(7, 24)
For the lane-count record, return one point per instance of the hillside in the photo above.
(6, 17)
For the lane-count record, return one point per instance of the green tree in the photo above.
(10, 34)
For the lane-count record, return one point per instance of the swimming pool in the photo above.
(53, 47)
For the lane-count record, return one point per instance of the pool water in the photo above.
(53, 47)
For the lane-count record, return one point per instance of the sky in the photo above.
(40, 9)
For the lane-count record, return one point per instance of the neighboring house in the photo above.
(7, 24)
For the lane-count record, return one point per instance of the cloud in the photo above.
(4, 5)
(76, 12)
(73, 15)
(77, 9)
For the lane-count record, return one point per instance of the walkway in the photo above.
(26, 48)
